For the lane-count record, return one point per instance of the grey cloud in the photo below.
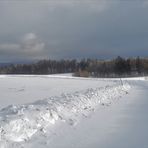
(31, 43)
(8, 46)
(70, 29)
(30, 46)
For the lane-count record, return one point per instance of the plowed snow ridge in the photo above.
(19, 123)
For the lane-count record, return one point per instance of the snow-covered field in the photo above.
(60, 111)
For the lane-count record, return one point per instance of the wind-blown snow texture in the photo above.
(19, 123)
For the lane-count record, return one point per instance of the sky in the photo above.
(57, 29)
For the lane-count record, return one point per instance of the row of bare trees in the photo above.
(86, 67)
(119, 67)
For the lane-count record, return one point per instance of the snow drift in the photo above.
(18, 123)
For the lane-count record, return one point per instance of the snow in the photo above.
(19, 89)
(62, 111)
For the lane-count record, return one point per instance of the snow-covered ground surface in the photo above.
(60, 111)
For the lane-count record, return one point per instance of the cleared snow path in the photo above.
(19, 123)
(124, 124)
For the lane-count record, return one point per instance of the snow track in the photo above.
(18, 123)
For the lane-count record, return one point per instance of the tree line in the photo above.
(118, 67)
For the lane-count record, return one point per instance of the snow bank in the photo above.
(70, 76)
(18, 123)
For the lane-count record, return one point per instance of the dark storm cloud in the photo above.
(73, 29)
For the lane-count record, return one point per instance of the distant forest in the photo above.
(119, 67)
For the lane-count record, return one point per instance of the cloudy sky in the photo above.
(56, 29)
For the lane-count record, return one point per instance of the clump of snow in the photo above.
(18, 123)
